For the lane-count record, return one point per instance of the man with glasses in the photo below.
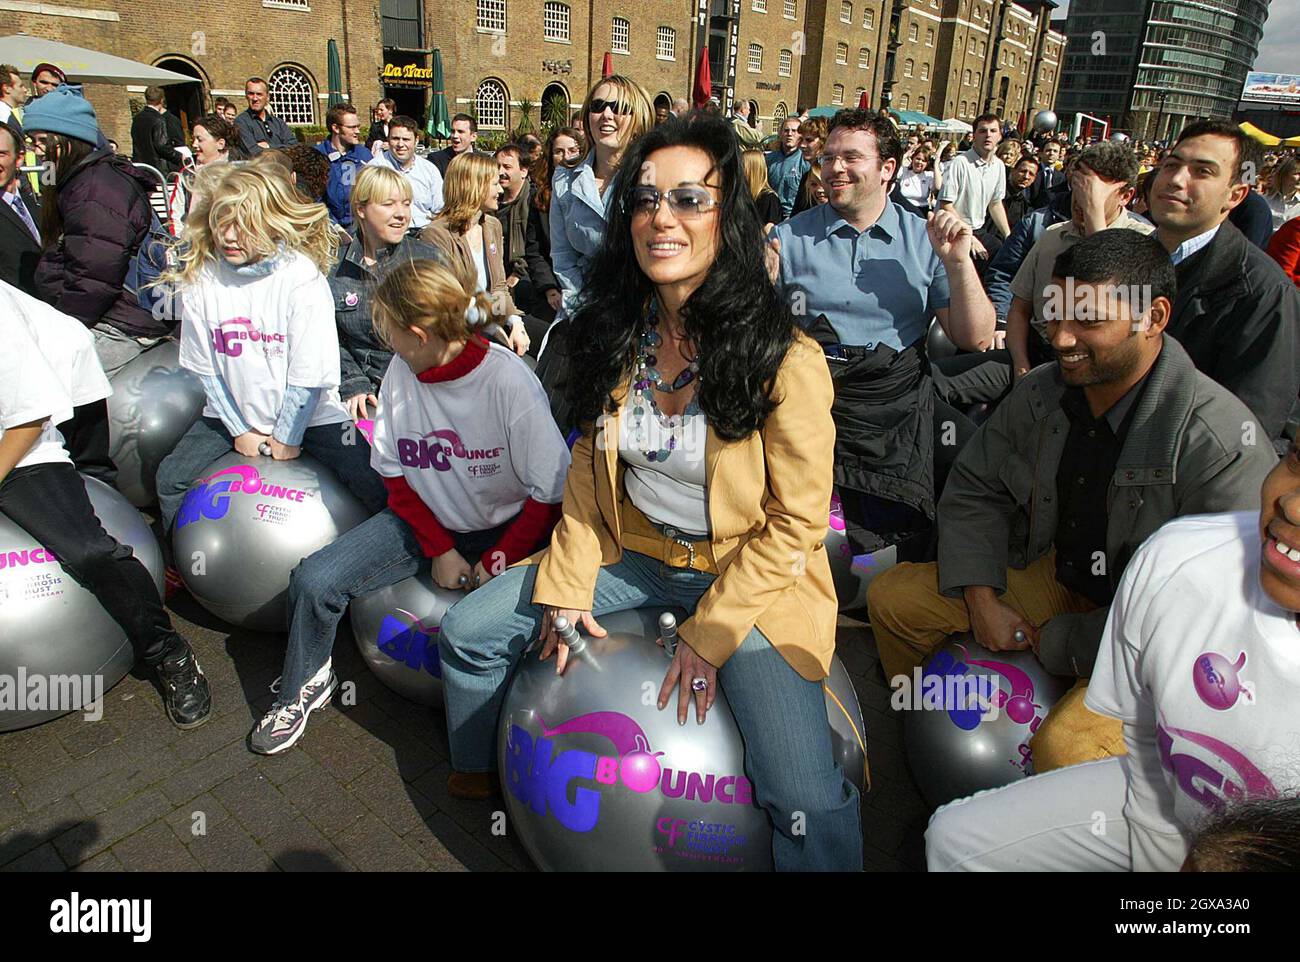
(347, 155)
(865, 278)
(259, 129)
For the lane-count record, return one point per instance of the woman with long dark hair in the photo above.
(718, 410)
(563, 149)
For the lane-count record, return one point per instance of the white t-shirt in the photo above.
(260, 332)
(48, 368)
(473, 448)
(671, 492)
(917, 187)
(1203, 668)
(971, 184)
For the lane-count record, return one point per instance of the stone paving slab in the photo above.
(365, 788)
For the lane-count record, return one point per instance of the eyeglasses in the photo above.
(686, 203)
(851, 158)
(618, 107)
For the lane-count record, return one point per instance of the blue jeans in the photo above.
(346, 454)
(780, 714)
(379, 552)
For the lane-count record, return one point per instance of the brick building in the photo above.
(950, 58)
(220, 45)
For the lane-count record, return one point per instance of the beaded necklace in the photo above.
(645, 380)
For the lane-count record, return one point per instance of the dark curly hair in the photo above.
(312, 170)
(738, 323)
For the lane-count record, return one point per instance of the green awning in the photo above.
(914, 118)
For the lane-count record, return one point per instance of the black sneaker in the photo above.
(186, 695)
(284, 724)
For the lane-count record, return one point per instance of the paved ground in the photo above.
(364, 789)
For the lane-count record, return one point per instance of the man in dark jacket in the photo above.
(20, 215)
(1006, 262)
(1082, 462)
(1237, 314)
(150, 141)
(1020, 192)
(464, 133)
(347, 155)
(258, 128)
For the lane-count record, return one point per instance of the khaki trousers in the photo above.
(910, 618)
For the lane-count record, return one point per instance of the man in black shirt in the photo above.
(464, 132)
(1083, 461)
(150, 141)
(259, 129)
(1020, 190)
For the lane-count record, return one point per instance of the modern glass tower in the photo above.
(1165, 62)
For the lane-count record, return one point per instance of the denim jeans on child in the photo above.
(781, 715)
(343, 451)
(379, 552)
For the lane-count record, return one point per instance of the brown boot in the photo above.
(474, 786)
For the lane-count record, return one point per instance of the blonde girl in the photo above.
(257, 328)
(473, 464)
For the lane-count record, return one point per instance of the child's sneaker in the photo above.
(284, 723)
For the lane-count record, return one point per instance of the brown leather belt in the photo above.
(641, 535)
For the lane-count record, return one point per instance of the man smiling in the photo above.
(1084, 460)
(1198, 662)
(1237, 314)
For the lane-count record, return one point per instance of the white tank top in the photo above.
(670, 492)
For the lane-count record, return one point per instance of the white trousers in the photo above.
(1067, 820)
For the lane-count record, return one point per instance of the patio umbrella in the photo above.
(703, 89)
(81, 64)
(607, 68)
(1263, 137)
(335, 74)
(439, 124)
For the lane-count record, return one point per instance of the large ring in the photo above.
(699, 684)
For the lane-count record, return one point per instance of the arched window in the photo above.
(666, 44)
(864, 57)
(620, 36)
(784, 63)
(841, 53)
(291, 96)
(920, 104)
(925, 71)
(912, 32)
(857, 95)
(846, 11)
(491, 105)
(902, 104)
(837, 94)
(908, 66)
(755, 58)
(779, 115)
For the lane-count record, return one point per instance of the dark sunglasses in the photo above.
(598, 107)
(686, 203)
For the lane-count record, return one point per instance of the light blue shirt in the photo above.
(877, 286)
(1193, 244)
(784, 174)
(578, 217)
(426, 186)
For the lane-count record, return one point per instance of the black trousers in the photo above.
(49, 502)
(85, 435)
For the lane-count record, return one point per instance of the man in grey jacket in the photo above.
(1082, 462)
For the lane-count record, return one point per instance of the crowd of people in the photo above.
(723, 339)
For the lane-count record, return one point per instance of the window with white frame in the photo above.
(555, 21)
(908, 66)
(841, 53)
(912, 30)
(492, 15)
(970, 47)
(929, 38)
(846, 11)
(791, 9)
(868, 18)
(837, 94)
(291, 97)
(779, 115)
(925, 71)
(905, 102)
(302, 4)
(864, 57)
(920, 104)
(755, 58)
(758, 6)
(490, 105)
(784, 63)
(965, 78)
(857, 94)
(666, 44)
(619, 36)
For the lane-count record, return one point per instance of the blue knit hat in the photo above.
(62, 111)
